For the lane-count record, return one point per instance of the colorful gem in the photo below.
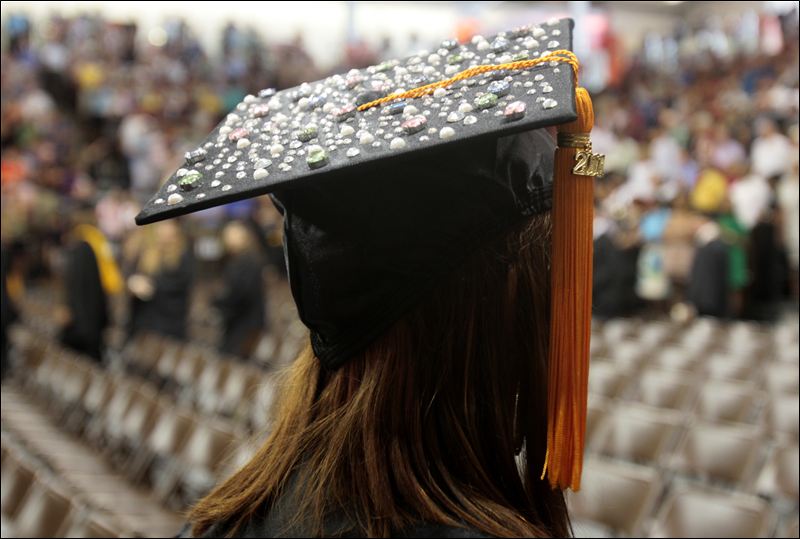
(414, 124)
(486, 101)
(317, 157)
(396, 107)
(316, 101)
(498, 88)
(307, 133)
(190, 180)
(515, 110)
(238, 133)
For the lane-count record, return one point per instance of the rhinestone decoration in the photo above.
(397, 144)
(259, 111)
(486, 101)
(317, 157)
(396, 107)
(455, 116)
(319, 123)
(195, 156)
(174, 198)
(237, 134)
(190, 180)
(414, 124)
(307, 133)
(515, 110)
(549, 103)
(499, 88)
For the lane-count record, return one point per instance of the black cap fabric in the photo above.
(380, 204)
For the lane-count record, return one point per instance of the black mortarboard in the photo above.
(389, 176)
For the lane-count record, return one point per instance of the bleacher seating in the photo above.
(691, 431)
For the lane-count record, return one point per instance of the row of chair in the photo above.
(39, 506)
(624, 499)
(703, 336)
(199, 378)
(171, 449)
(702, 399)
(730, 455)
(54, 486)
(691, 431)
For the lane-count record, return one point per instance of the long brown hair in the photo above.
(441, 421)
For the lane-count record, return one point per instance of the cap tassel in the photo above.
(571, 297)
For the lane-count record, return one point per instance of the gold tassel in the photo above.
(571, 300)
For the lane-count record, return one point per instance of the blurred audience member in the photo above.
(707, 292)
(9, 309)
(772, 153)
(90, 276)
(242, 302)
(789, 201)
(161, 269)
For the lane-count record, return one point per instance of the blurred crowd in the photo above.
(698, 212)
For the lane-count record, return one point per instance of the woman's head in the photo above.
(427, 423)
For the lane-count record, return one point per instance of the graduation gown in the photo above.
(168, 310)
(86, 301)
(242, 304)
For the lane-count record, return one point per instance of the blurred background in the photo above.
(139, 363)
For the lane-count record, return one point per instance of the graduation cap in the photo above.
(389, 176)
